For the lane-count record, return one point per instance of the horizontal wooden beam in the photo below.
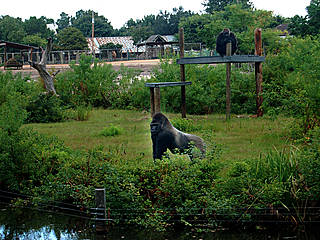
(167, 84)
(218, 59)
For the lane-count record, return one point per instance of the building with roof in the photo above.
(156, 44)
(283, 29)
(128, 46)
(13, 60)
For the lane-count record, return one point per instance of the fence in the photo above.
(66, 57)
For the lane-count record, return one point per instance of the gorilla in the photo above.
(165, 136)
(223, 38)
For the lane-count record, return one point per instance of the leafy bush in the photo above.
(98, 85)
(45, 108)
(292, 81)
(185, 125)
(112, 130)
(80, 113)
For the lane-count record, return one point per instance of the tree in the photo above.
(42, 69)
(165, 23)
(175, 17)
(71, 39)
(111, 46)
(38, 26)
(242, 21)
(63, 22)
(314, 17)
(212, 6)
(83, 21)
(11, 29)
(309, 25)
(140, 33)
(299, 26)
(34, 40)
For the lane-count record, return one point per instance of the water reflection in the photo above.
(25, 224)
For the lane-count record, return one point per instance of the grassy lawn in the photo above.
(239, 138)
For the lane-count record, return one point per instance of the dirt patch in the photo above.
(145, 65)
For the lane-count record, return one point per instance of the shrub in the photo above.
(185, 125)
(45, 108)
(112, 130)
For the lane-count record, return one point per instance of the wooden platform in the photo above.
(219, 59)
(167, 84)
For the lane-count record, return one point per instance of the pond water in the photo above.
(26, 224)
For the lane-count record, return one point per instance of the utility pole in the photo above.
(92, 40)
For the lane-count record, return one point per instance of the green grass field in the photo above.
(238, 139)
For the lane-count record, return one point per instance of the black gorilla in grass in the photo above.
(165, 136)
(223, 38)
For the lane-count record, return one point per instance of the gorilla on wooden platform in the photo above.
(226, 36)
(165, 136)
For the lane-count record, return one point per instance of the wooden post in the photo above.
(5, 54)
(101, 209)
(61, 57)
(228, 82)
(157, 100)
(152, 100)
(182, 75)
(258, 72)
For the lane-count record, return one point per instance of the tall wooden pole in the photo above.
(157, 103)
(92, 35)
(258, 72)
(182, 75)
(228, 82)
(152, 100)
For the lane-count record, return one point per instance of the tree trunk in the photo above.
(42, 69)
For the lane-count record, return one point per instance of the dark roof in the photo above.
(16, 45)
(283, 28)
(156, 40)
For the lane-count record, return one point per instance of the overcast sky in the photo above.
(118, 12)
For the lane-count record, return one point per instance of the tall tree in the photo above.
(309, 25)
(64, 21)
(34, 40)
(314, 16)
(219, 5)
(38, 26)
(11, 29)
(83, 21)
(71, 38)
(164, 23)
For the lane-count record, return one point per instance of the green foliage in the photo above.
(212, 6)
(71, 38)
(111, 46)
(100, 86)
(164, 23)
(83, 22)
(174, 190)
(82, 113)
(185, 125)
(292, 81)
(242, 21)
(111, 130)
(63, 22)
(11, 29)
(308, 25)
(38, 26)
(206, 94)
(15, 94)
(35, 40)
(45, 108)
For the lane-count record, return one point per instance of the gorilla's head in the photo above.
(159, 122)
